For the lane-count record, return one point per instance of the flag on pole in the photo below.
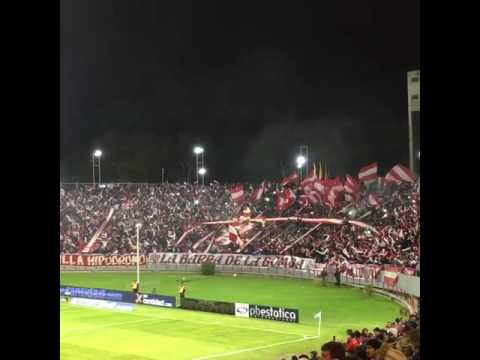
(368, 174)
(289, 179)
(400, 173)
(237, 194)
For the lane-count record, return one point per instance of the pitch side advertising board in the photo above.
(117, 295)
(267, 312)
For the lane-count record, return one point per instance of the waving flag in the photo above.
(285, 199)
(237, 194)
(257, 195)
(351, 185)
(368, 174)
(293, 177)
(400, 173)
(374, 200)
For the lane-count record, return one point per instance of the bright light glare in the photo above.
(301, 161)
(198, 150)
(202, 171)
(97, 153)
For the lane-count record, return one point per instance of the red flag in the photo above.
(351, 185)
(311, 198)
(289, 179)
(311, 177)
(237, 194)
(400, 173)
(368, 174)
(257, 195)
(390, 275)
(285, 199)
(374, 200)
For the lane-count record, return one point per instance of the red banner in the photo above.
(101, 260)
(390, 275)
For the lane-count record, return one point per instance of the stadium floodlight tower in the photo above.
(301, 160)
(202, 171)
(138, 225)
(198, 150)
(97, 154)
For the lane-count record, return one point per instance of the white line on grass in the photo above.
(254, 348)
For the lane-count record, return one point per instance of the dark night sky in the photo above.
(146, 80)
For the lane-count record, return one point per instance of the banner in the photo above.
(273, 313)
(118, 296)
(390, 275)
(101, 260)
(220, 307)
(272, 261)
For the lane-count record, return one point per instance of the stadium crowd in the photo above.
(398, 340)
(168, 210)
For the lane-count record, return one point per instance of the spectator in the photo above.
(333, 351)
(373, 347)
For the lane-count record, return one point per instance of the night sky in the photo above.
(250, 81)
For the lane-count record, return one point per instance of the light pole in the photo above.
(138, 225)
(198, 150)
(96, 154)
(202, 171)
(301, 160)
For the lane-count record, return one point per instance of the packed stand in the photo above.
(169, 210)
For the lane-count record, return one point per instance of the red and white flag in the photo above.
(390, 275)
(311, 198)
(400, 173)
(257, 194)
(285, 199)
(368, 174)
(333, 197)
(351, 185)
(374, 200)
(311, 177)
(237, 194)
(293, 177)
(320, 187)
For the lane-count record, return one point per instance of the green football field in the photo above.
(159, 333)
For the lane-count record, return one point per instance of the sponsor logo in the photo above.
(242, 310)
(273, 313)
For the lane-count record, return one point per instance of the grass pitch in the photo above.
(149, 332)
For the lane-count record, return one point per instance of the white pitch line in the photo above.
(254, 348)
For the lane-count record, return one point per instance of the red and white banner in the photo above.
(237, 193)
(293, 177)
(233, 259)
(101, 260)
(285, 199)
(311, 198)
(311, 177)
(400, 173)
(390, 275)
(368, 174)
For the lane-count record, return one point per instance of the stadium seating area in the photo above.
(168, 210)
(398, 340)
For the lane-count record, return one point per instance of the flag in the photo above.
(257, 195)
(400, 173)
(381, 182)
(374, 200)
(289, 179)
(237, 194)
(233, 234)
(368, 174)
(311, 177)
(390, 276)
(285, 199)
(311, 198)
(351, 185)
(92, 244)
